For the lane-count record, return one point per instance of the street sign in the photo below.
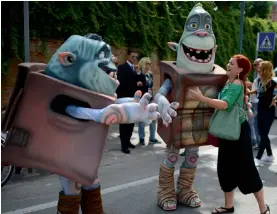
(266, 41)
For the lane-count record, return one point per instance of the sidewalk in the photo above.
(129, 183)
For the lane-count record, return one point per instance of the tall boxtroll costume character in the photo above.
(194, 67)
(73, 101)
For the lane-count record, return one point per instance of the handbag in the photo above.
(227, 124)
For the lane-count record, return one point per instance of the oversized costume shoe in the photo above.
(91, 202)
(185, 193)
(166, 190)
(68, 204)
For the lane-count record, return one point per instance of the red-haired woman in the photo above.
(235, 167)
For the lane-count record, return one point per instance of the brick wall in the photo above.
(273, 14)
(38, 55)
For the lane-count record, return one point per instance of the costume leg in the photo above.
(185, 192)
(166, 190)
(69, 197)
(91, 199)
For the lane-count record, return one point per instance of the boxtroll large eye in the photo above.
(67, 58)
(193, 25)
(207, 26)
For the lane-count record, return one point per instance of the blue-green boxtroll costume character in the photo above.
(194, 67)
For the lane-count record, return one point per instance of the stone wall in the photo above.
(41, 52)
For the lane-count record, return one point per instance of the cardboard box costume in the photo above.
(190, 127)
(50, 138)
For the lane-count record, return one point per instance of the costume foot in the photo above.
(169, 205)
(189, 197)
(91, 202)
(166, 191)
(223, 210)
(185, 193)
(68, 204)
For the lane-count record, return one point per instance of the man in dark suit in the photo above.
(126, 75)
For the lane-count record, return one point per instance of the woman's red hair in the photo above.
(245, 64)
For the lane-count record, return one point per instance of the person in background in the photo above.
(126, 76)
(254, 101)
(144, 67)
(266, 110)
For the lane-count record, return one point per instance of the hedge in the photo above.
(145, 25)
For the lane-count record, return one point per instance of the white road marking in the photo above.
(211, 164)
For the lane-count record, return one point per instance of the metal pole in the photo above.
(242, 6)
(257, 46)
(26, 41)
(26, 32)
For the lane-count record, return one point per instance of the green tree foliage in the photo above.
(260, 9)
(145, 25)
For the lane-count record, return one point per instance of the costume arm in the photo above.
(115, 113)
(166, 109)
(131, 112)
(163, 92)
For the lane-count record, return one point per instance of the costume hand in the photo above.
(167, 110)
(196, 94)
(145, 112)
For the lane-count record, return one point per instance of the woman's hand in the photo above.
(196, 94)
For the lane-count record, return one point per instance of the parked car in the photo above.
(275, 90)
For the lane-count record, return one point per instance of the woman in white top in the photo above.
(144, 66)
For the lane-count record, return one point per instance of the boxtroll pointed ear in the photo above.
(173, 46)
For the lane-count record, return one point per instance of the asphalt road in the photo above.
(129, 183)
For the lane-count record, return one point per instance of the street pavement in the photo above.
(129, 183)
